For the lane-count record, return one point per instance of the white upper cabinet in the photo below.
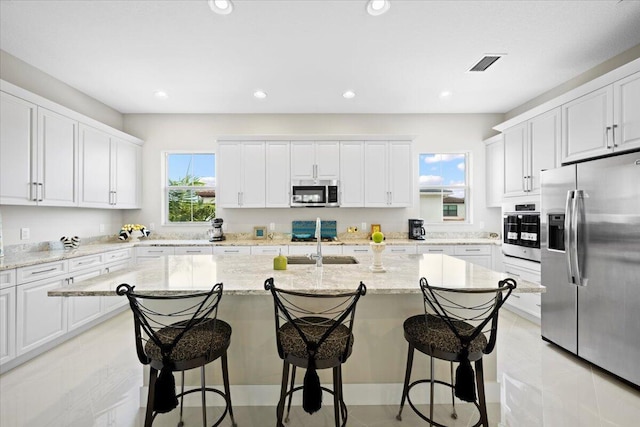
(530, 147)
(626, 113)
(494, 165)
(53, 156)
(388, 174)
(58, 159)
(110, 171)
(278, 176)
(127, 181)
(603, 121)
(18, 123)
(241, 174)
(352, 174)
(315, 160)
(38, 155)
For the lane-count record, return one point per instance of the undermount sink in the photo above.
(329, 259)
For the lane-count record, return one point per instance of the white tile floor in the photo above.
(93, 380)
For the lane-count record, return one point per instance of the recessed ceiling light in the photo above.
(160, 94)
(445, 94)
(349, 94)
(260, 94)
(377, 7)
(221, 7)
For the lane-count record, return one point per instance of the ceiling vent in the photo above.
(486, 61)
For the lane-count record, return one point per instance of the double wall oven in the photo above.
(521, 231)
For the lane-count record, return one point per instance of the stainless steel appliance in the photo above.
(416, 229)
(215, 233)
(591, 262)
(315, 193)
(521, 231)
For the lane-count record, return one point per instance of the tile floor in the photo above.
(93, 380)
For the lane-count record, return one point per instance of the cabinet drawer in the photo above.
(7, 278)
(522, 273)
(472, 250)
(41, 271)
(311, 249)
(354, 249)
(269, 250)
(193, 250)
(84, 262)
(404, 249)
(154, 251)
(232, 250)
(122, 254)
(439, 249)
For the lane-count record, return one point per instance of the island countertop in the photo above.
(245, 275)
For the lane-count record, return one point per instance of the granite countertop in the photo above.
(245, 275)
(25, 259)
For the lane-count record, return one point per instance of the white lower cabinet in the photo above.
(193, 250)
(82, 310)
(270, 250)
(232, 250)
(40, 318)
(311, 249)
(527, 304)
(7, 323)
(108, 304)
(475, 254)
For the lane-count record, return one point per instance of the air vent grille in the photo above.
(485, 62)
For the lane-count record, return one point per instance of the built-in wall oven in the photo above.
(521, 231)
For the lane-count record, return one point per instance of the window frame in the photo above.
(466, 188)
(166, 187)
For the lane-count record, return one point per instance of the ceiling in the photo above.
(304, 53)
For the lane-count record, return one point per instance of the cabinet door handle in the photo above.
(44, 271)
(155, 252)
(41, 187)
(606, 135)
(472, 250)
(613, 135)
(516, 296)
(398, 250)
(194, 251)
(231, 251)
(513, 274)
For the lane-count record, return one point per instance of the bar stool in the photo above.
(181, 332)
(455, 331)
(313, 331)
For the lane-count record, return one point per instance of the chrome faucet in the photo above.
(318, 255)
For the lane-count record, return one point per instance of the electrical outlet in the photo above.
(102, 228)
(363, 226)
(272, 226)
(482, 225)
(25, 234)
(152, 226)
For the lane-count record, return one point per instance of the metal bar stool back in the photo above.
(458, 325)
(175, 333)
(313, 331)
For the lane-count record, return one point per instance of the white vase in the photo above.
(377, 249)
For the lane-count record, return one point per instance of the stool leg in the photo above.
(481, 397)
(454, 414)
(293, 383)
(283, 394)
(148, 418)
(407, 378)
(431, 394)
(227, 389)
(336, 396)
(180, 424)
(344, 413)
(204, 396)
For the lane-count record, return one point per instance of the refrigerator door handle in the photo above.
(577, 221)
(567, 235)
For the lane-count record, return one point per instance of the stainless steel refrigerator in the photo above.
(590, 226)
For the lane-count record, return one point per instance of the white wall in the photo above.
(434, 133)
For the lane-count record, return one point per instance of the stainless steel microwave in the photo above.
(315, 194)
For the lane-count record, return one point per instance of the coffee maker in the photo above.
(215, 233)
(416, 229)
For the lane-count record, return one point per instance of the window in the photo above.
(190, 192)
(444, 190)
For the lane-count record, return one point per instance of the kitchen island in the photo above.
(374, 373)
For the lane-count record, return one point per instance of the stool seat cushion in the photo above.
(314, 328)
(210, 337)
(431, 331)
